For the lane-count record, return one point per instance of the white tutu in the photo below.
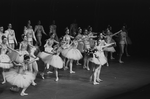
(16, 57)
(65, 51)
(48, 49)
(56, 61)
(74, 53)
(22, 80)
(101, 58)
(46, 57)
(110, 49)
(95, 60)
(5, 61)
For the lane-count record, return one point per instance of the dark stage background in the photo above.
(97, 13)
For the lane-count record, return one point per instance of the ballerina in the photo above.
(99, 59)
(73, 54)
(54, 59)
(52, 30)
(28, 31)
(87, 47)
(123, 43)
(109, 39)
(21, 77)
(5, 62)
(80, 46)
(1, 33)
(39, 29)
(10, 34)
(67, 42)
(49, 47)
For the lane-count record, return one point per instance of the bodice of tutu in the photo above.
(123, 36)
(39, 28)
(99, 48)
(67, 38)
(11, 34)
(24, 45)
(3, 56)
(48, 49)
(3, 49)
(50, 42)
(90, 34)
(108, 39)
(75, 43)
(29, 33)
(102, 42)
(79, 36)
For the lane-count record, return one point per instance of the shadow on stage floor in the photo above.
(120, 81)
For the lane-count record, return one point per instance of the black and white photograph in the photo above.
(74, 49)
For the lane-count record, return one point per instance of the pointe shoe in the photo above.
(71, 72)
(121, 61)
(34, 84)
(43, 77)
(84, 67)
(56, 79)
(99, 80)
(3, 82)
(88, 68)
(107, 64)
(23, 94)
(95, 83)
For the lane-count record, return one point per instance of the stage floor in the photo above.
(117, 79)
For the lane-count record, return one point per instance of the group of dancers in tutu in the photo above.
(20, 66)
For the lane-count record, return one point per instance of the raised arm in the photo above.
(56, 41)
(71, 36)
(116, 33)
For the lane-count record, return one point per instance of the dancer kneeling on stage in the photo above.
(21, 77)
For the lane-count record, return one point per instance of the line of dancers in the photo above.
(20, 66)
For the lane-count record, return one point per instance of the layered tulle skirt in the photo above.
(5, 61)
(46, 57)
(53, 60)
(65, 51)
(110, 49)
(73, 53)
(56, 61)
(22, 80)
(100, 60)
(17, 57)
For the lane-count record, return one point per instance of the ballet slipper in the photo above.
(99, 80)
(23, 94)
(95, 83)
(71, 72)
(56, 79)
(34, 84)
(121, 61)
(88, 68)
(3, 82)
